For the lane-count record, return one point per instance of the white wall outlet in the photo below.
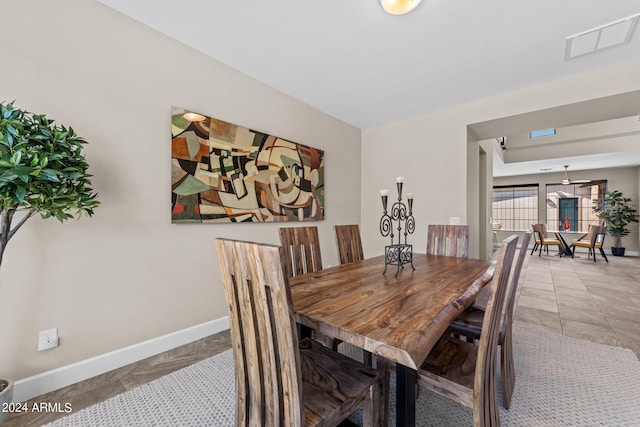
(48, 339)
(454, 220)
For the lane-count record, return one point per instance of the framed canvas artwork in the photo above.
(224, 173)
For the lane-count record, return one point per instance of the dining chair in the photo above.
(469, 324)
(302, 250)
(448, 240)
(592, 241)
(465, 372)
(350, 250)
(281, 381)
(545, 241)
(349, 243)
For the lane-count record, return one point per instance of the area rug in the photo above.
(561, 381)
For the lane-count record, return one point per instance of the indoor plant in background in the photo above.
(42, 170)
(617, 212)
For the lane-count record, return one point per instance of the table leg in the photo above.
(303, 331)
(406, 379)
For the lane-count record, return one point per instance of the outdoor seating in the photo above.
(592, 241)
(543, 240)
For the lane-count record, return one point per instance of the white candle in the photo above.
(384, 192)
(400, 179)
(409, 195)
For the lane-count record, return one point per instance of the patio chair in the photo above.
(544, 240)
(592, 241)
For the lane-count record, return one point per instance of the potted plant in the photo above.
(42, 170)
(617, 212)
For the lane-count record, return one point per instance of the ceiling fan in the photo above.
(567, 181)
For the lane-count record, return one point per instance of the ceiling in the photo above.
(365, 67)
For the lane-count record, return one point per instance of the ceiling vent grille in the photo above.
(605, 36)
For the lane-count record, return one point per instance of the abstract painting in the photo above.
(223, 173)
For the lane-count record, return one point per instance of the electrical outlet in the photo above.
(48, 339)
(454, 220)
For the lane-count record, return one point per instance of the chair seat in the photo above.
(452, 362)
(551, 242)
(469, 324)
(582, 244)
(333, 384)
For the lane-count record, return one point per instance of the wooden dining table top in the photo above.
(398, 317)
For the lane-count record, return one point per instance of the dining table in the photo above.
(563, 248)
(398, 317)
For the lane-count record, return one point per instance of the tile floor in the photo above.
(598, 302)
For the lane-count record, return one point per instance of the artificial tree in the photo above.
(617, 212)
(42, 170)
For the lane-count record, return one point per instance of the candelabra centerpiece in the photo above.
(397, 253)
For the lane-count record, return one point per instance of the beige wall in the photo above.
(621, 179)
(129, 275)
(430, 151)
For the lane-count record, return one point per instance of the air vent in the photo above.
(605, 36)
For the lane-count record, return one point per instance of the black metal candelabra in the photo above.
(399, 253)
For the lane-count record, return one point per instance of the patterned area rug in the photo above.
(561, 381)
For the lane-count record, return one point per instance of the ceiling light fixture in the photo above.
(399, 7)
(566, 180)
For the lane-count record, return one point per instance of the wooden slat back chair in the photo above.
(301, 253)
(350, 250)
(349, 243)
(280, 381)
(469, 324)
(463, 371)
(545, 241)
(448, 240)
(302, 250)
(594, 240)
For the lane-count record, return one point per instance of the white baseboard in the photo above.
(54, 379)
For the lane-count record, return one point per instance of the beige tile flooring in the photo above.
(598, 302)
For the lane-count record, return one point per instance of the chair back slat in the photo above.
(301, 250)
(263, 334)
(484, 393)
(448, 240)
(515, 278)
(349, 243)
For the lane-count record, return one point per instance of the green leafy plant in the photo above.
(617, 212)
(42, 170)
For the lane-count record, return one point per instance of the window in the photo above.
(542, 132)
(570, 207)
(515, 207)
